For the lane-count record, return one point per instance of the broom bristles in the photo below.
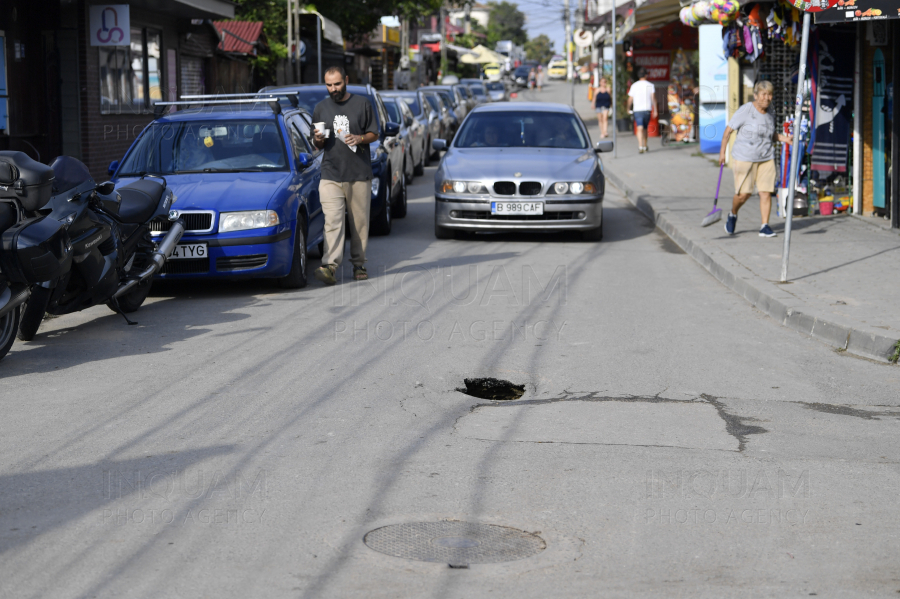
(712, 217)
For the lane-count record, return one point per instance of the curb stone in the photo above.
(762, 294)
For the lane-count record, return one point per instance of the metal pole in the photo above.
(857, 123)
(895, 135)
(290, 38)
(795, 149)
(319, 45)
(614, 79)
(298, 37)
(567, 25)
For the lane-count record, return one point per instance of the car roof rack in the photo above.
(201, 100)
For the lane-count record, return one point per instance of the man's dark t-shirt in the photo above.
(341, 162)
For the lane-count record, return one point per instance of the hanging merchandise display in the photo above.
(724, 12)
(832, 96)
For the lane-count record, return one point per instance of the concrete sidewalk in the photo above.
(844, 274)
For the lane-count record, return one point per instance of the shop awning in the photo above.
(655, 13)
(482, 55)
(330, 30)
(461, 51)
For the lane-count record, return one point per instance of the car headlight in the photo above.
(462, 187)
(241, 221)
(376, 184)
(575, 187)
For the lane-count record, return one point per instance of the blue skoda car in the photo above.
(245, 174)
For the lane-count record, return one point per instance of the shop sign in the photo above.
(813, 5)
(110, 25)
(850, 11)
(656, 63)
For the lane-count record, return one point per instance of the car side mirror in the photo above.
(106, 188)
(304, 159)
(391, 129)
(113, 167)
(439, 144)
(603, 146)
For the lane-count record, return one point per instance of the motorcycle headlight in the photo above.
(242, 221)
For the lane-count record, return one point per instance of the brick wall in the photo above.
(106, 137)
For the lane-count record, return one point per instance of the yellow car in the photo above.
(492, 71)
(557, 69)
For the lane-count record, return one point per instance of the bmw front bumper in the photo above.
(581, 213)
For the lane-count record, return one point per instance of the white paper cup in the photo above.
(319, 126)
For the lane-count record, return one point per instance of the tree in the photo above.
(539, 48)
(358, 18)
(273, 14)
(506, 23)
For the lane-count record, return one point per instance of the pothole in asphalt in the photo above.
(454, 543)
(491, 388)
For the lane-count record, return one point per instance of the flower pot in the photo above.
(826, 207)
(623, 125)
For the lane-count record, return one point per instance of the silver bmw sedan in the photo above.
(521, 166)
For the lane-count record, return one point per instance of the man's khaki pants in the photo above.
(356, 198)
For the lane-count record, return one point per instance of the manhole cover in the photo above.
(454, 542)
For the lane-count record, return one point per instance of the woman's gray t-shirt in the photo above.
(754, 134)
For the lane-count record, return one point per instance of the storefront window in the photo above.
(131, 77)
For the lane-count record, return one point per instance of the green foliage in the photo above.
(273, 14)
(896, 355)
(506, 22)
(539, 48)
(357, 18)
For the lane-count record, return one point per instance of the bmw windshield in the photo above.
(517, 129)
(213, 146)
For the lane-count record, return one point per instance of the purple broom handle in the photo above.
(719, 184)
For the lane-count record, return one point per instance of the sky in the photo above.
(542, 16)
(545, 16)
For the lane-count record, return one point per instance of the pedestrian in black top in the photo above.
(602, 105)
(345, 126)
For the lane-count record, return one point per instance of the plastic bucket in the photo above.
(826, 207)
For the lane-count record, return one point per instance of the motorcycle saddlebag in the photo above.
(35, 250)
(27, 180)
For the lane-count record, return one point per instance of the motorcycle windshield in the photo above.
(69, 173)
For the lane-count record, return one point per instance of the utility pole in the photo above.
(290, 37)
(468, 9)
(443, 42)
(568, 23)
(298, 73)
(614, 79)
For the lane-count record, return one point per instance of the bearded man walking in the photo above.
(346, 174)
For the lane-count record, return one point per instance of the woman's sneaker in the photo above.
(730, 223)
(766, 231)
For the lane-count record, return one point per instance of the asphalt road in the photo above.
(242, 440)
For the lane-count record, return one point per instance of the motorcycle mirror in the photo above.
(106, 188)
(8, 173)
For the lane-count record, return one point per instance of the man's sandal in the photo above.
(325, 274)
(360, 274)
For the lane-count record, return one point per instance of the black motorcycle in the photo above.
(32, 249)
(111, 257)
